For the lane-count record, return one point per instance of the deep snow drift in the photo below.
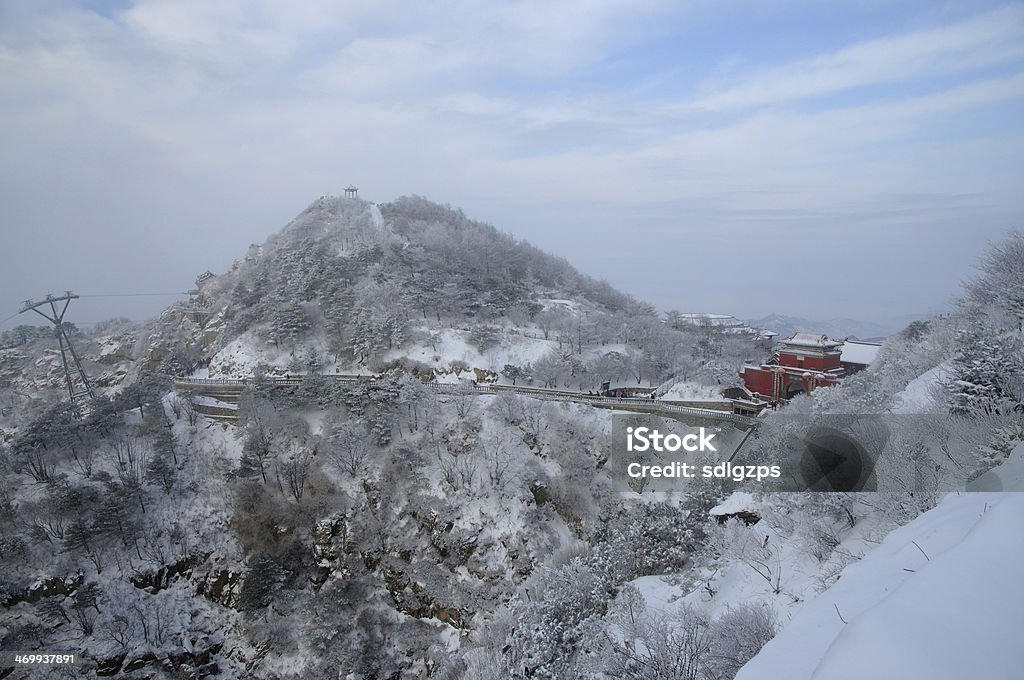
(940, 598)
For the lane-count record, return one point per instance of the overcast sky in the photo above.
(819, 159)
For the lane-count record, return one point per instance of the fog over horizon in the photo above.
(843, 161)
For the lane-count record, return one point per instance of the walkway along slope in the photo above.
(218, 397)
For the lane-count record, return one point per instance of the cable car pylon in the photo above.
(79, 388)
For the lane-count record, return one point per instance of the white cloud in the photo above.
(270, 104)
(993, 38)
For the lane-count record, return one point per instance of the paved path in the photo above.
(218, 397)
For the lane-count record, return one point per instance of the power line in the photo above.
(109, 295)
(131, 295)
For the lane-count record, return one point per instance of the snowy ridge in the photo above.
(920, 395)
(944, 583)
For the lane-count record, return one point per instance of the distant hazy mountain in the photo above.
(836, 328)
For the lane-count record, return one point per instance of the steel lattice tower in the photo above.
(77, 381)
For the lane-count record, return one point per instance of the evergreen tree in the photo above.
(289, 321)
(987, 372)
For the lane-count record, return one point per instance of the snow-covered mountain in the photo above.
(402, 527)
(859, 329)
(349, 286)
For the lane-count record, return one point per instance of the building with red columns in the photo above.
(801, 364)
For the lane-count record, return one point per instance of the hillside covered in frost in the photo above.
(388, 529)
(352, 286)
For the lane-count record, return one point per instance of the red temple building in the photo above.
(802, 363)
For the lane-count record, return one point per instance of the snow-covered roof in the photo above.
(811, 340)
(699, 319)
(859, 352)
(627, 385)
(703, 315)
(740, 501)
(723, 322)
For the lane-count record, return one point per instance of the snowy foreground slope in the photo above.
(940, 598)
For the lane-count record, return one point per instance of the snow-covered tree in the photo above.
(988, 371)
(1000, 285)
